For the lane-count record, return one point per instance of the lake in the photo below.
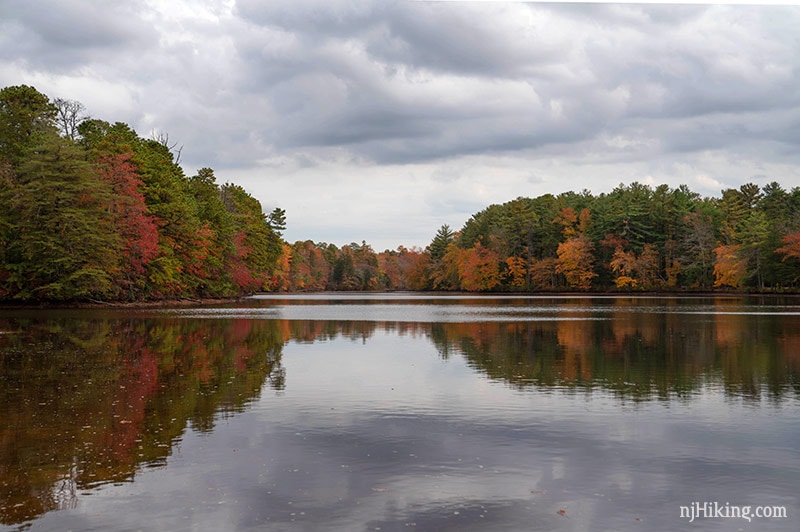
(404, 412)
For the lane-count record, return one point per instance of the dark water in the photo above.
(402, 412)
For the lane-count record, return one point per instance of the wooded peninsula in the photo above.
(91, 211)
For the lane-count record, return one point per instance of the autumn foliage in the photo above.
(104, 214)
(108, 215)
(730, 269)
(575, 262)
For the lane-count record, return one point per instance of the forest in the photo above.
(92, 211)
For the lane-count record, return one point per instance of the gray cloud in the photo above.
(297, 90)
(414, 81)
(65, 34)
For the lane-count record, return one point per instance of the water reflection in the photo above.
(90, 401)
(89, 398)
(637, 355)
(640, 355)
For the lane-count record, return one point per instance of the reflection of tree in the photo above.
(319, 330)
(635, 354)
(632, 353)
(640, 355)
(91, 401)
(85, 402)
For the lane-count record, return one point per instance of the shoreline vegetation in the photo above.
(191, 302)
(93, 214)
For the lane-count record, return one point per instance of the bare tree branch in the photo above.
(163, 138)
(69, 115)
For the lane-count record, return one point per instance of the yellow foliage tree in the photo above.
(517, 271)
(576, 262)
(730, 269)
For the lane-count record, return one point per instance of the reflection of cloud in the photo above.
(291, 464)
(378, 431)
(546, 342)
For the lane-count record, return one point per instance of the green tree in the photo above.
(437, 250)
(26, 115)
(518, 225)
(277, 220)
(776, 204)
(260, 246)
(219, 245)
(696, 254)
(64, 248)
(754, 238)
(438, 246)
(626, 212)
(735, 207)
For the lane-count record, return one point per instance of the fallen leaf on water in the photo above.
(562, 512)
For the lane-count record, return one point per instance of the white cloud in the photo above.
(381, 121)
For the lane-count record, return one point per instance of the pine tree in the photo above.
(64, 245)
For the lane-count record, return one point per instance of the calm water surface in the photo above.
(402, 412)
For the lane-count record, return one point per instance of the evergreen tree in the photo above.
(63, 246)
(26, 115)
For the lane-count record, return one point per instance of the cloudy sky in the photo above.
(381, 121)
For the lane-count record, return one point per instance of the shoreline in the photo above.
(7, 305)
(182, 302)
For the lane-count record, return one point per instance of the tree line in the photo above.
(634, 238)
(91, 210)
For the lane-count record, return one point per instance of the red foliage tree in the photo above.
(135, 224)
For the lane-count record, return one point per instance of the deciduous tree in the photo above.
(478, 269)
(576, 262)
(730, 269)
(132, 222)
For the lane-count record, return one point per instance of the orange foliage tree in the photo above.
(413, 266)
(479, 268)
(576, 262)
(576, 254)
(389, 269)
(444, 272)
(309, 269)
(623, 264)
(792, 247)
(517, 271)
(543, 273)
(281, 278)
(636, 272)
(136, 227)
(416, 271)
(730, 269)
(567, 219)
